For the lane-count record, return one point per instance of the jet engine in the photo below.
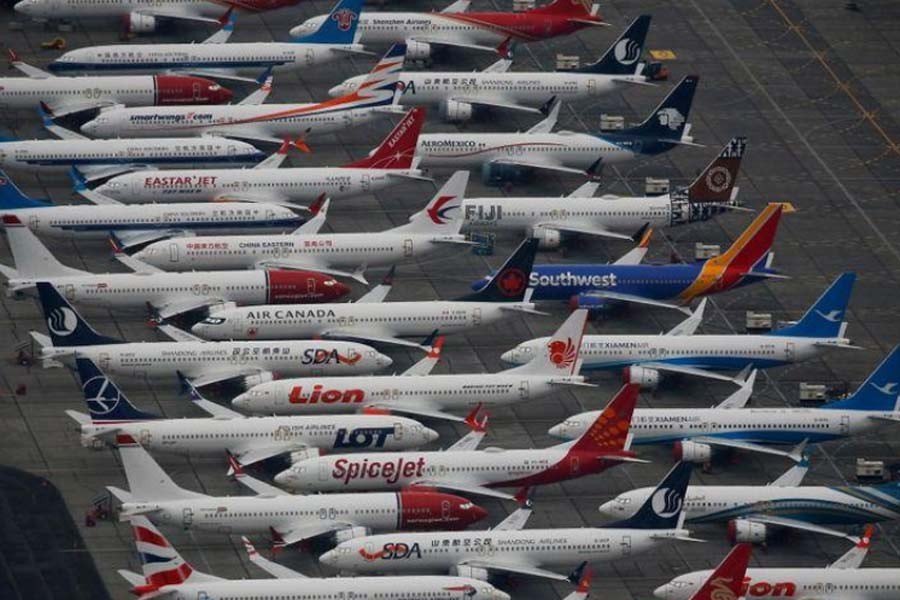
(298, 456)
(500, 174)
(138, 23)
(548, 239)
(417, 50)
(694, 452)
(648, 379)
(351, 533)
(455, 111)
(251, 381)
(467, 571)
(742, 530)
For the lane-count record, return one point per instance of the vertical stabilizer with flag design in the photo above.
(162, 564)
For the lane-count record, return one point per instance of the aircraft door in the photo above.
(173, 252)
(574, 465)
(789, 349)
(845, 424)
(187, 518)
(311, 285)
(103, 362)
(445, 509)
(398, 431)
(196, 91)
(33, 222)
(324, 473)
(476, 316)
(523, 389)
(310, 56)
(592, 86)
(69, 292)
(145, 437)
(232, 149)
(237, 327)
(407, 248)
(365, 183)
(626, 545)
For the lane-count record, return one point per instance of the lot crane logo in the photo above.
(438, 210)
(562, 353)
(344, 18)
(101, 396)
(62, 321)
(720, 589)
(671, 118)
(718, 179)
(512, 282)
(627, 51)
(666, 502)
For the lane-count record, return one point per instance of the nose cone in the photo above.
(241, 401)
(338, 290)
(557, 431)
(218, 94)
(338, 91)
(608, 509)
(302, 29)
(26, 7)
(286, 478)
(330, 558)
(475, 514)
(383, 361)
(199, 329)
(510, 356)
(429, 435)
(90, 128)
(663, 592)
(500, 595)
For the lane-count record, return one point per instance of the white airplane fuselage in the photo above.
(77, 9)
(286, 185)
(340, 250)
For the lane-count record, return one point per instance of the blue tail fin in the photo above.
(623, 56)
(880, 391)
(663, 509)
(509, 282)
(67, 328)
(339, 27)
(825, 318)
(11, 197)
(669, 119)
(104, 400)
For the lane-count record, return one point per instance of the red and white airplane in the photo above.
(390, 164)
(431, 396)
(464, 469)
(166, 575)
(455, 28)
(288, 518)
(68, 95)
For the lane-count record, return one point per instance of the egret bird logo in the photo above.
(512, 282)
(437, 212)
(101, 396)
(627, 51)
(671, 118)
(832, 316)
(62, 321)
(720, 589)
(562, 353)
(889, 388)
(344, 18)
(666, 502)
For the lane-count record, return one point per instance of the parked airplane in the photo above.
(334, 40)
(287, 518)
(458, 95)
(507, 156)
(167, 575)
(841, 580)
(644, 357)
(68, 95)
(372, 320)
(201, 362)
(462, 468)
(164, 294)
(142, 16)
(256, 121)
(435, 226)
(453, 27)
(751, 511)
(553, 219)
(431, 396)
(97, 159)
(248, 440)
(694, 431)
(391, 163)
(598, 286)
(508, 549)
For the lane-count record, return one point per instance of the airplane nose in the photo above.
(329, 558)
(477, 514)
(240, 401)
(340, 289)
(285, 478)
(337, 91)
(89, 128)
(500, 595)
(557, 431)
(26, 7)
(384, 361)
(510, 356)
(607, 509)
(429, 434)
(662, 591)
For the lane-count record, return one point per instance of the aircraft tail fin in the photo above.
(443, 214)
(146, 479)
(67, 327)
(560, 355)
(727, 576)
(31, 257)
(663, 508)
(11, 197)
(753, 245)
(622, 57)
(667, 123)
(879, 392)
(398, 149)
(339, 27)
(162, 564)
(716, 182)
(825, 318)
(609, 431)
(574, 8)
(105, 401)
(510, 282)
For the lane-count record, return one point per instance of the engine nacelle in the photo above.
(693, 452)
(548, 239)
(351, 533)
(741, 530)
(472, 572)
(648, 379)
(298, 456)
(139, 23)
(251, 381)
(417, 50)
(501, 174)
(455, 111)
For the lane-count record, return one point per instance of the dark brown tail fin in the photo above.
(716, 182)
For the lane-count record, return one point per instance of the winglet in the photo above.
(866, 538)
(548, 105)
(284, 147)
(46, 114)
(264, 77)
(435, 347)
(235, 468)
(796, 453)
(319, 204)
(228, 18)
(642, 236)
(473, 422)
(523, 497)
(79, 183)
(117, 246)
(506, 47)
(389, 276)
(582, 576)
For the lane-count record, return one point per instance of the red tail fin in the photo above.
(399, 147)
(610, 431)
(727, 579)
(575, 8)
(755, 242)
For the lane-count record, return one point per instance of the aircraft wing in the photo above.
(420, 411)
(173, 14)
(801, 525)
(452, 44)
(131, 238)
(265, 198)
(26, 69)
(254, 454)
(274, 160)
(305, 530)
(498, 104)
(685, 370)
(302, 266)
(544, 166)
(427, 364)
(749, 446)
(171, 309)
(180, 335)
(690, 325)
(501, 66)
(514, 521)
(93, 173)
(853, 558)
(220, 376)
(63, 109)
(215, 410)
(261, 488)
(598, 231)
(370, 337)
(224, 74)
(260, 95)
(379, 292)
(620, 297)
(739, 398)
(466, 489)
(272, 568)
(460, 6)
(516, 569)
(892, 418)
(255, 135)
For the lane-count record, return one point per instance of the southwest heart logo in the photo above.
(512, 282)
(349, 360)
(344, 18)
(437, 212)
(562, 353)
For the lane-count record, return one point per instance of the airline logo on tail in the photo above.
(562, 353)
(718, 179)
(438, 211)
(344, 18)
(720, 589)
(671, 118)
(627, 51)
(95, 394)
(889, 389)
(512, 282)
(667, 502)
(62, 321)
(832, 316)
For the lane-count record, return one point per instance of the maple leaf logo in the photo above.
(512, 282)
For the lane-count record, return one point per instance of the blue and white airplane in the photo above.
(644, 357)
(695, 431)
(598, 286)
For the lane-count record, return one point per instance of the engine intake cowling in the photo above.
(742, 530)
(455, 111)
(140, 23)
(648, 379)
(351, 533)
(298, 456)
(693, 452)
(418, 50)
(472, 572)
